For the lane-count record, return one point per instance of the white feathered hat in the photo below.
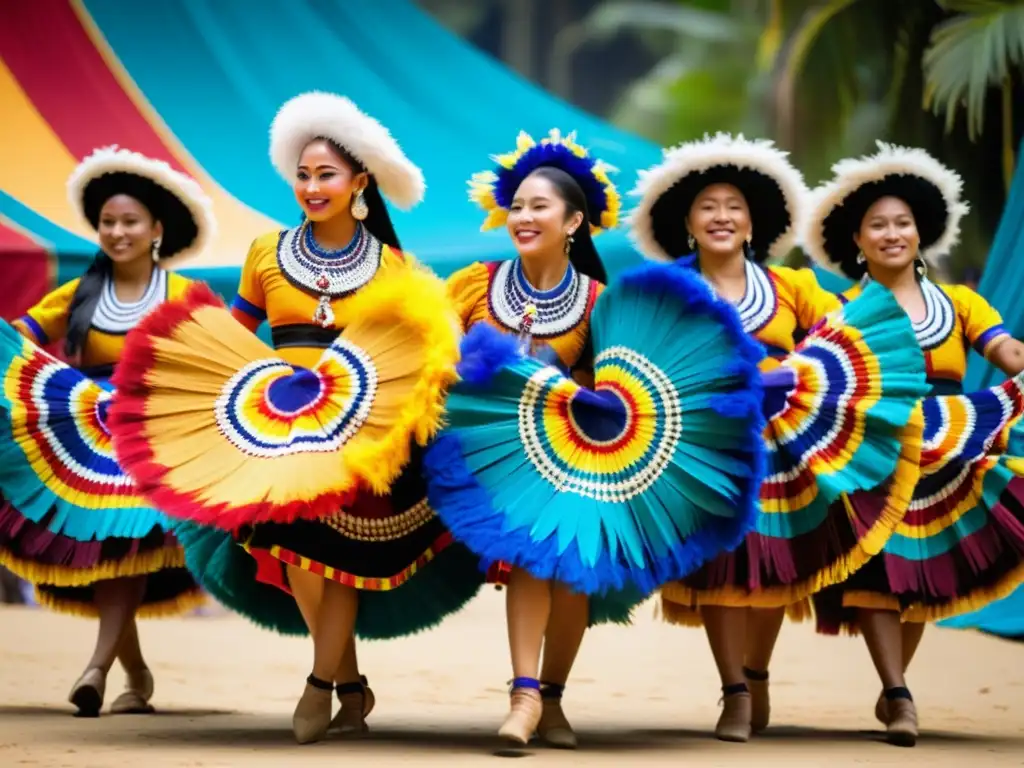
(316, 115)
(838, 206)
(173, 198)
(775, 192)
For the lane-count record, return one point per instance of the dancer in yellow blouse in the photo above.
(550, 288)
(73, 523)
(309, 457)
(722, 206)
(882, 219)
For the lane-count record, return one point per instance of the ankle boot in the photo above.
(734, 722)
(760, 701)
(312, 715)
(901, 730)
(524, 711)
(356, 703)
(554, 729)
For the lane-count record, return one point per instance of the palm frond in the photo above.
(970, 54)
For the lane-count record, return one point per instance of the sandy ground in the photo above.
(644, 695)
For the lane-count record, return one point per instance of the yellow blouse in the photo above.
(266, 293)
(478, 295)
(47, 321)
(779, 306)
(956, 318)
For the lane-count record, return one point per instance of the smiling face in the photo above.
(888, 235)
(325, 182)
(538, 219)
(719, 220)
(127, 229)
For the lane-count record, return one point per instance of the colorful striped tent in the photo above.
(196, 83)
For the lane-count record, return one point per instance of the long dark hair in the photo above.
(84, 302)
(378, 220)
(582, 253)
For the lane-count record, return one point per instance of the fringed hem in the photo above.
(183, 603)
(141, 564)
(369, 584)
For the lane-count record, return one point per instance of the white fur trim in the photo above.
(112, 159)
(313, 114)
(851, 174)
(760, 155)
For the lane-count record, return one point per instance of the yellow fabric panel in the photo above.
(34, 163)
(264, 285)
(51, 314)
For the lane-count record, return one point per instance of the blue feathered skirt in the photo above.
(616, 489)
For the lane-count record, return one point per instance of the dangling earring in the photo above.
(568, 242)
(154, 249)
(359, 208)
(861, 258)
(748, 251)
(691, 242)
(921, 266)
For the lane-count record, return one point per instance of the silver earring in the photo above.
(861, 258)
(359, 208)
(922, 267)
(155, 249)
(691, 242)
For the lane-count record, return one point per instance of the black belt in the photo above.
(945, 387)
(98, 371)
(284, 336)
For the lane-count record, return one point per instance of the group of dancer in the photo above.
(725, 434)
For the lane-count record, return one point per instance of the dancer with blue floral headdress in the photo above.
(590, 448)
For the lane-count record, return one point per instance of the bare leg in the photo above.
(570, 614)
(527, 608)
(335, 622)
(763, 627)
(912, 632)
(117, 600)
(884, 637)
(129, 653)
(139, 685)
(308, 590)
(727, 631)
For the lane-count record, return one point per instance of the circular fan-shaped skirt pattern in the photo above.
(270, 408)
(843, 439)
(619, 487)
(58, 420)
(961, 543)
(215, 428)
(610, 444)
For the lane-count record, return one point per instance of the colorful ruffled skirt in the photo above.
(69, 516)
(843, 439)
(265, 465)
(612, 490)
(961, 544)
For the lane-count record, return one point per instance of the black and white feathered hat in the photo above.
(316, 115)
(775, 192)
(173, 198)
(838, 206)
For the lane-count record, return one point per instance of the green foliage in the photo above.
(969, 55)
